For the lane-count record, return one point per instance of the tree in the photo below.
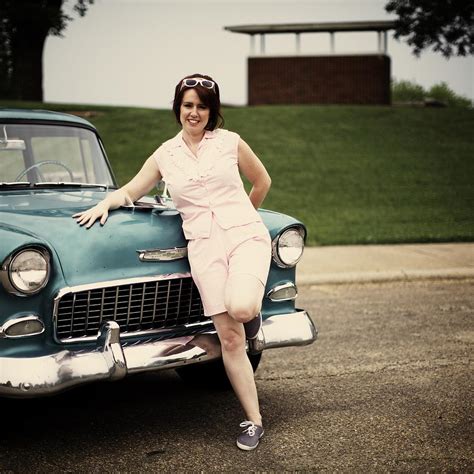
(447, 25)
(24, 27)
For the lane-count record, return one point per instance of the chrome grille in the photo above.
(141, 306)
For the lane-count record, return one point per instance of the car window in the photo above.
(53, 153)
(75, 153)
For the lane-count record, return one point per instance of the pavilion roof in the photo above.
(328, 27)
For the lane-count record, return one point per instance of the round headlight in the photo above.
(28, 271)
(288, 247)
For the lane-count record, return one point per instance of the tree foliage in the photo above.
(447, 26)
(24, 27)
(411, 92)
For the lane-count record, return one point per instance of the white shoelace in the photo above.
(251, 427)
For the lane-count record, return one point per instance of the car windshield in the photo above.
(53, 154)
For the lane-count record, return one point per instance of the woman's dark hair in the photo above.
(209, 97)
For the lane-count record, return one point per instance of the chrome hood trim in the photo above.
(162, 255)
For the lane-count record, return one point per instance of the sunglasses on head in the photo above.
(194, 81)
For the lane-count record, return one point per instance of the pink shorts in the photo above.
(244, 249)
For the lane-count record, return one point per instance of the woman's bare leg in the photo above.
(237, 365)
(243, 300)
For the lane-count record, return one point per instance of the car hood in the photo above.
(96, 254)
(101, 253)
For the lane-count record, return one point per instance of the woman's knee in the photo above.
(243, 297)
(242, 311)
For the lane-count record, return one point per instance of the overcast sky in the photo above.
(132, 52)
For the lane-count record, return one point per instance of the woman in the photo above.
(229, 247)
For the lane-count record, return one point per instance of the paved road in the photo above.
(388, 387)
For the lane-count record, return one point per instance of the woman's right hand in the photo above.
(87, 218)
(142, 183)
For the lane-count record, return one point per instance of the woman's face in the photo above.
(194, 115)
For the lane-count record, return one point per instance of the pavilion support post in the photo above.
(384, 42)
(262, 44)
(331, 40)
(252, 45)
(298, 43)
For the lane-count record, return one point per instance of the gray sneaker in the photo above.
(253, 326)
(250, 437)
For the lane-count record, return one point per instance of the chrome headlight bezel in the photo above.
(281, 260)
(22, 321)
(7, 269)
(283, 292)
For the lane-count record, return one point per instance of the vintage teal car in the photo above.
(79, 306)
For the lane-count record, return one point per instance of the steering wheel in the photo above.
(45, 162)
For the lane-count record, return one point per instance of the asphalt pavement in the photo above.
(378, 263)
(386, 388)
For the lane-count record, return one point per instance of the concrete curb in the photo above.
(384, 276)
(340, 264)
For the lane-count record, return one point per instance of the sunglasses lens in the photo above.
(190, 82)
(208, 84)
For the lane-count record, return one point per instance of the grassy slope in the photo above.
(375, 174)
(352, 174)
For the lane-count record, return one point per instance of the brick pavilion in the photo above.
(322, 79)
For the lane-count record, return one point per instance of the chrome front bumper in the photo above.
(110, 360)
